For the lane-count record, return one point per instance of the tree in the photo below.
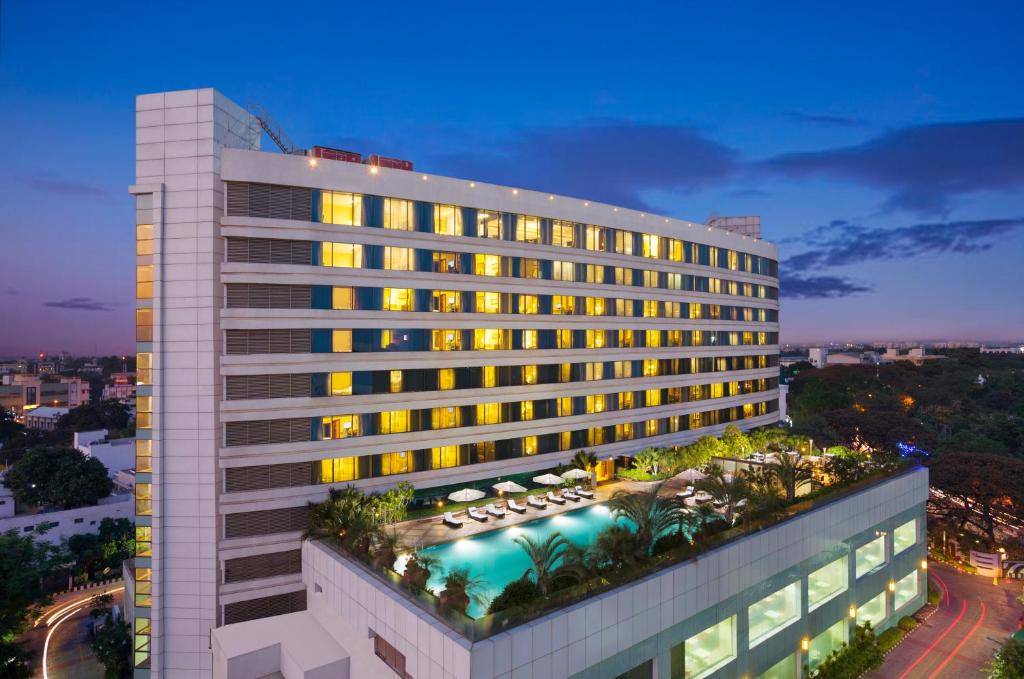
(546, 560)
(521, 592)
(1008, 662)
(587, 461)
(112, 642)
(976, 486)
(58, 477)
(843, 469)
(15, 660)
(616, 546)
(347, 515)
(460, 588)
(652, 515)
(110, 415)
(735, 443)
(729, 492)
(791, 472)
(25, 566)
(646, 461)
(704, 448)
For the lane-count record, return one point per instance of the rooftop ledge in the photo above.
(477, 629)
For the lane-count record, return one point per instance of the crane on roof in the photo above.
(275, 131)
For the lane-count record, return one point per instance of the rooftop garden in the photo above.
(647, 529)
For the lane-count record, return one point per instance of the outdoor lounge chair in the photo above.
(554, 498)
(515, 506)
(534, 502)
(682, 495)
(569, 495)
(498, 512)
(589, 494)
(475, 513)
(450, 520)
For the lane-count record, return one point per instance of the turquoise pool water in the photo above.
(496, 559)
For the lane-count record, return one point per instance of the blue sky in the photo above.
(882, 145)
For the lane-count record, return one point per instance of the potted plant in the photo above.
(459, 589)
(417, 570)
(385, 549)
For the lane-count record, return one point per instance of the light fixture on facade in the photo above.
(424, 177)
(312, 162)
(924, 564)
(374, 169)
(892, 585)
(805, 644)
(515, 192)
(853, 612)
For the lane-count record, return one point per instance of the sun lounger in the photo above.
(589, 494)
(534, 502)
(450, 520)
(475, 513)
(682, 495)
(569, 495)
(554, 498)
(498, 512)
(515, 506)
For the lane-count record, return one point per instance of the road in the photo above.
(61, 640)
(974, 617)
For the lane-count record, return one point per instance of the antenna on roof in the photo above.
(275, 131)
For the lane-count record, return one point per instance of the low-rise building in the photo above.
(115, 454)
(120, 388)
(62, 523)
(20, 392)
(44, 418)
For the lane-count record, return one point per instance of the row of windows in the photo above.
(395, 258)
(340, 469)
(144, 272)
(363, 382)
(257, 432)
(352, 209)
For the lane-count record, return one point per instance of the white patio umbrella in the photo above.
(466, 495)
(575, 474)
(508, 487)
(692, 475)
(548, 480)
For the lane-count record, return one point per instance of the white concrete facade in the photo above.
(66, 522)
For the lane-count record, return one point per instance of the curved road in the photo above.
(974, 617)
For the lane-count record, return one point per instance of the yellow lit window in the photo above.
(390, 339)
(595, 306)
(445, 340)
(563, 233)
(674, 338)
(338, 469)
(489, 339)
(650, 279)
(446, 262)
(444, 457)
(624, 431)
(651, 428)
(144, 499)
(653, 338)
(143, 325)
(143, 585)
(528, 304)
(624, 242)
(342, 255)
(651, 244)
(340, 426)
(717, 390)
(698, 338)
(625, 339)
(734, 260)
(144, 281)
(675, 250)
(343, 298)
(715, 285)
(529, 339)
(672, 309)
(446, 379)
(399, 259)
(623, 369)
(748, 337)
(748, 410)
(595, 239)
(445, 418)
(398, 299)
(398, 214)
(594, 371)
(488, 224)
(143, 541)
(395, 422)
(563, 271)
(529, 268)
(397, 463)
(674, 281)
(527, 229)
(762, 338)
(564, 336)
(529, 374)
(563, 304)
(652, 397)
(595, 273)
(341, 208)
(696, 420)
(488, 302)
(624, 307)
(596, 403)
(565, 372)
(651, 367)
(565, 406)
(447, 220)
(595, 436)
(395, 381)
(447, 301)
(625, 400)
(144, 368)
(143, 455)
(564, 440)
(341, 341)
(595, 339)
(696, 392)
(341, 384)
(650, 308)
(715, 311)
(526, 410)
(623, 276)
(487, 265)
(144, 239)
(144, 412)
(490, 376)
(529, 445)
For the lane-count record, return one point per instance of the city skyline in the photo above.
(886, 175)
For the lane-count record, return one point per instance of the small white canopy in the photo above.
(466, 495)
(508, 487)
(548, 480)
(692, 475)
(576, 474)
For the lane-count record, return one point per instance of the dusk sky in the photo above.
(882, 144)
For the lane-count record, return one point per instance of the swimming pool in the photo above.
(497, 560)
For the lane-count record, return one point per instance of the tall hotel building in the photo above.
(306, 322)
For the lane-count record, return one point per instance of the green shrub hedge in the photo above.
(889, 638)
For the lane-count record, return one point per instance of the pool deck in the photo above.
(420, 533)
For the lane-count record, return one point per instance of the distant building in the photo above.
(818, 356)
(44, 418)
(12, 367)
(120, 388)
(21, 392)
(115, 454)
(1002, 350)
(917, 355)
(783, 395)
(64, 523)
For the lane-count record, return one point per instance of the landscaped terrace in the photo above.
(490, 576)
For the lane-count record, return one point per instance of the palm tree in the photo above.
(728, 492)
(791, 472)
(344, 515)
(385, 548)
(547, 559)
(616, 546)
(417, 569)
(652, 515)
(459, 589)
(587, 461)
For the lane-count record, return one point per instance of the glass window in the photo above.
(772, 613)
(144, 412)
(396, 463)
(395, 422)
(338, 469)
(447, 301)
(489, 339)
(595, 339)
(529, 445)
(563, 271)
(906, 590)
(528, 304)
(527, 229)
(563, 233)
(144, 281)
(488, 302)
(445, 340)
(595, 306)
(446, 262)
(447, 220)
(341, 255)
(830, 640)
(395, 381)
(904, 537)
(595, 273)
(143, 325)
(343, 299)
(143, 455)
(144, 239)
(490, 376)
(529, 268)
(398, 214)
(446, 379)
(870, 556)
(337, 207)
(563, 304)
(445, 418)
(565, 406)
(399, 259)
(784, 669)
(596, 403)
(341, 384)
(624, 242)
(711, 649)
(488, 224)
(529, 374)
(623, 276)
(526, 410)
(487, 265)
(444, 457)
(651, 245)
(653, 338)
(529, 339)
(595, 238)
(340, 426)
(341, 341)
(652, 397)
(675, 250)
(827, 582)
(873, 611)
(144, 368)
(563, 338)
(398, 299)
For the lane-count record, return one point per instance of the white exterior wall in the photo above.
(69, 521)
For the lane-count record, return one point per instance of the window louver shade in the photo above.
(266, 522)
(254, 609)
(263, 566)
(246, 199)
(263, 432)
(266, 476)
(287, 341)
(269, 251)
(263, 296)
(240, 387)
